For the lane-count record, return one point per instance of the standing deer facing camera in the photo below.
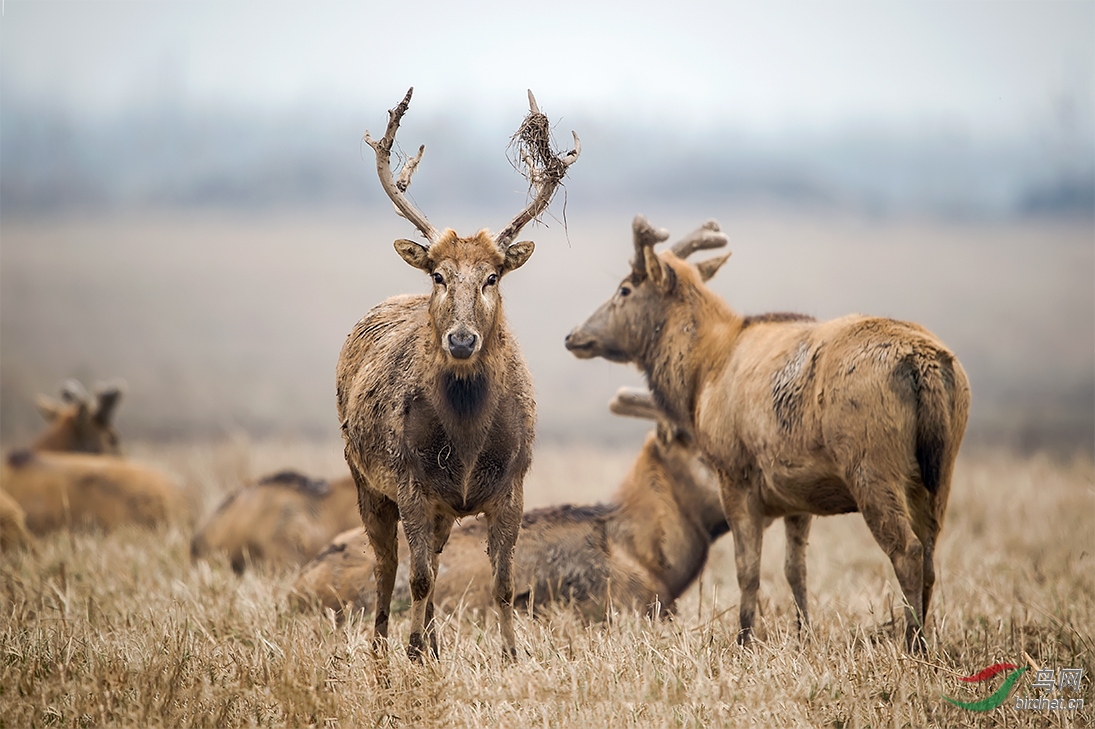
(798, 417)
(434, 398)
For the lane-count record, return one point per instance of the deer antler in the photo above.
(545, 168)
(644, 236)
(396, 188)
(708, 235)
(635, 402)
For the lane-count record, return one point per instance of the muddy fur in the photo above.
(282, 520)
(432, 436)
(640, 551)
(798, 417)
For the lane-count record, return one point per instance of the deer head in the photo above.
(465, 303)
(625, 325)
(78, 423)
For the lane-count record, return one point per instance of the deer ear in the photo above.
(48, 407)
(517, 254)
(659, 273)
(108, 397)
(414, 253)
(711, 266)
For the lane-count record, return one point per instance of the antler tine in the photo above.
(546, 170)
(72, 391)
(644, 235)
(708, 235)
(396, 188)
(635, 402)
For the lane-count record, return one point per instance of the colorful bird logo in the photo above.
(999, 695)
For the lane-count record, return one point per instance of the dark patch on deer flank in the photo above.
(465, 395)
(568, 513)
(298, 481)
(20, 457)
(789, 385)
(775, 317)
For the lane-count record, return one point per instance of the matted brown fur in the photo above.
(641, 551)
(63, 490)
(282, 520)
(430, 435)
(798, 417)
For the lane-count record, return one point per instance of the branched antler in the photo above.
(708, 235)
(396, 188)
(545, 169)
(644, 236)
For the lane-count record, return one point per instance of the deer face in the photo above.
(78, 426)
(466, 302)
(621, 327)
(632, 321)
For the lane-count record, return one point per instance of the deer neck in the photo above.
(692, 342)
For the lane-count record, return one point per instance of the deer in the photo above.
(798, 417)
(74, 476)
(640, 551)
(284, 520)
(78, 424)
(13, 525)
(434, 399)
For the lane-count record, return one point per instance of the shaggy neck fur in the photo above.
(465, 396)
(697, 337)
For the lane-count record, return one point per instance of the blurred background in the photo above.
(186, 203)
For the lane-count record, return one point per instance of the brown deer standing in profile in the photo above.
(798, 417)
(434, 398)
(640, 552)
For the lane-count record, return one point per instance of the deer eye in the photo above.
(439, 279)
(624, 291)
(492, 279)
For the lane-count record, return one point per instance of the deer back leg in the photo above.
(797, 527)
(881, 500)
(503, 528)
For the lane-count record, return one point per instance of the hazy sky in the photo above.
(994, 68)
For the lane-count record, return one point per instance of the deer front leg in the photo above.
(743, 514)
(504, 526)
(442, 527)
(418, 527)
(380, 515)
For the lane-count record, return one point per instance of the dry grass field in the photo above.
(122, 630)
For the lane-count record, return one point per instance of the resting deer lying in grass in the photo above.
(94, 488)
(284, 519)
(641, 551)
(434, 398)
(798, 417)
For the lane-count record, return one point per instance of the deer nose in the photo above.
(462, 345)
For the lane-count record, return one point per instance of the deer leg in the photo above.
(442, 527)
(418, 527)
(743, 514)
(794, 566)
(380, 516)
(504, 525)
(882, 503)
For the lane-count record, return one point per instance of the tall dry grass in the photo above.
(121, 629)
